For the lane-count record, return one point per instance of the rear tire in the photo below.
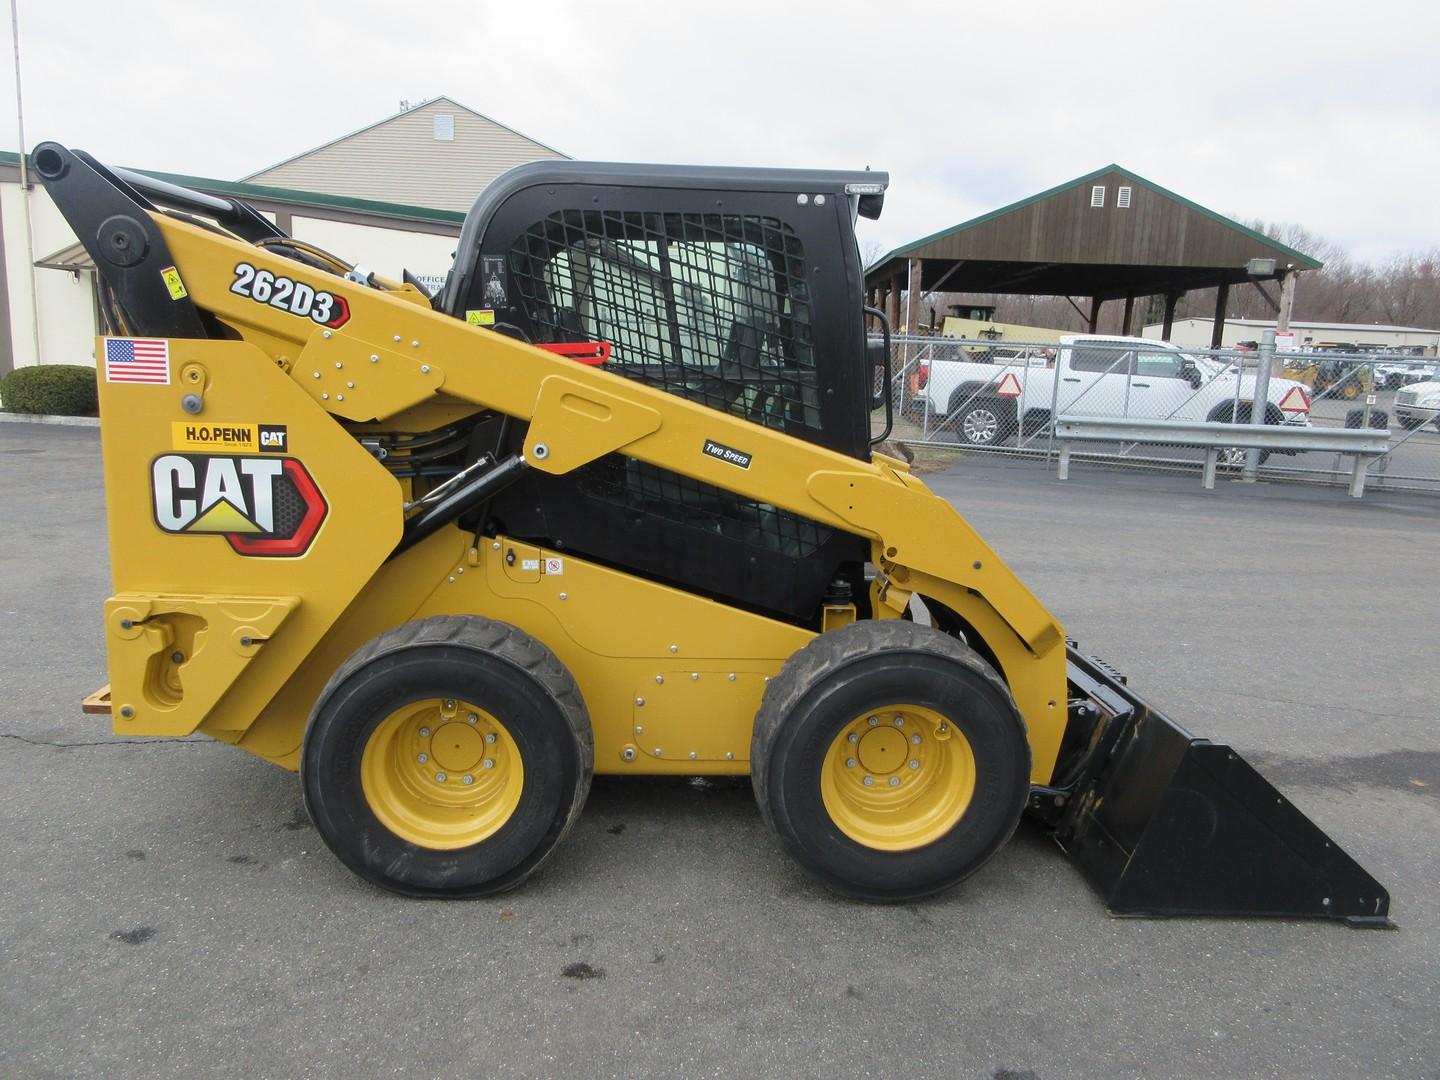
(1036, 422)
(1410, 423)
(946, 754)
(447, 758)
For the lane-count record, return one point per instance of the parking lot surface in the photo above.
(168, 910)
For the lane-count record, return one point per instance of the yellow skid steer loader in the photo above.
(606, 503)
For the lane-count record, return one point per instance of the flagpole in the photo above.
(25, 191)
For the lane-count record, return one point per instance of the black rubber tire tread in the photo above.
(825, 656)
(498, 641)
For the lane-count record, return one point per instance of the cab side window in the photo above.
(711, 307)
(1161, 365)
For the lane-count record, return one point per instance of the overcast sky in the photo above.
(1324, 114)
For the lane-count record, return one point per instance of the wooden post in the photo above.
(1171, 299)
(1282, 321)
(1222, 297)
(1129, 315)
(912, 302)
(892, 306)
(1095, 303)
(1287, 302)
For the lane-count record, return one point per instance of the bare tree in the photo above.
(870, 252)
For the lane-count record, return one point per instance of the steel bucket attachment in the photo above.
(1163, 823)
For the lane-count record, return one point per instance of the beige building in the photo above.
(438, 153)
(391, 197)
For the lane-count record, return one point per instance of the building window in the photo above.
(1097, 195)
(1122, 198)
(444, 127)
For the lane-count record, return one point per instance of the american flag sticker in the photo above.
(137, 360)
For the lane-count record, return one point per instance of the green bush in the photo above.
(53, 389)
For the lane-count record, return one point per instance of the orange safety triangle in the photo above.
(1289, 403)
(1009, 386)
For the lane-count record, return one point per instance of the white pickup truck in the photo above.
(1095, 375)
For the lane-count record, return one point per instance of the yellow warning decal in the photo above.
(481, 317)
(173, 283)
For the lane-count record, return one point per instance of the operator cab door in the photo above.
(746, 300)
(708, 284)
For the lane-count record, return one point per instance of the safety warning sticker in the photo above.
(492, 280)
(173, 284)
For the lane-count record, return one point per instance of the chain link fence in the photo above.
(996, 397)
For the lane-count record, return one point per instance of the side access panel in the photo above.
(242, 521)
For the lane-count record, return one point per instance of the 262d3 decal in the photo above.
(294, 297)
(261, 505)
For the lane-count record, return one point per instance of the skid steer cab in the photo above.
(606, 503)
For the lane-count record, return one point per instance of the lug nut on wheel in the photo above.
(489, 764)
(439, 777)
(468, 779)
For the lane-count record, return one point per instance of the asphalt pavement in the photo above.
(167, 910)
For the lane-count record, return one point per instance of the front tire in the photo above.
(1233, 457)
(889, 760)
(447, 758)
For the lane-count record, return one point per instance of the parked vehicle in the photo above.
(1014, 357)
(1418, 404)
(1099, 376)
(1342, 378)
(1391, 375)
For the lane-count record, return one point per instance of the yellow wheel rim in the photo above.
(442, 773)
(898, 778)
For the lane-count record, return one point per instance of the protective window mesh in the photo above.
(712, 307)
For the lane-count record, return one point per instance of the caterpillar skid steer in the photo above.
(606, 503)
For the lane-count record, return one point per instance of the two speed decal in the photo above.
(294, 297)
